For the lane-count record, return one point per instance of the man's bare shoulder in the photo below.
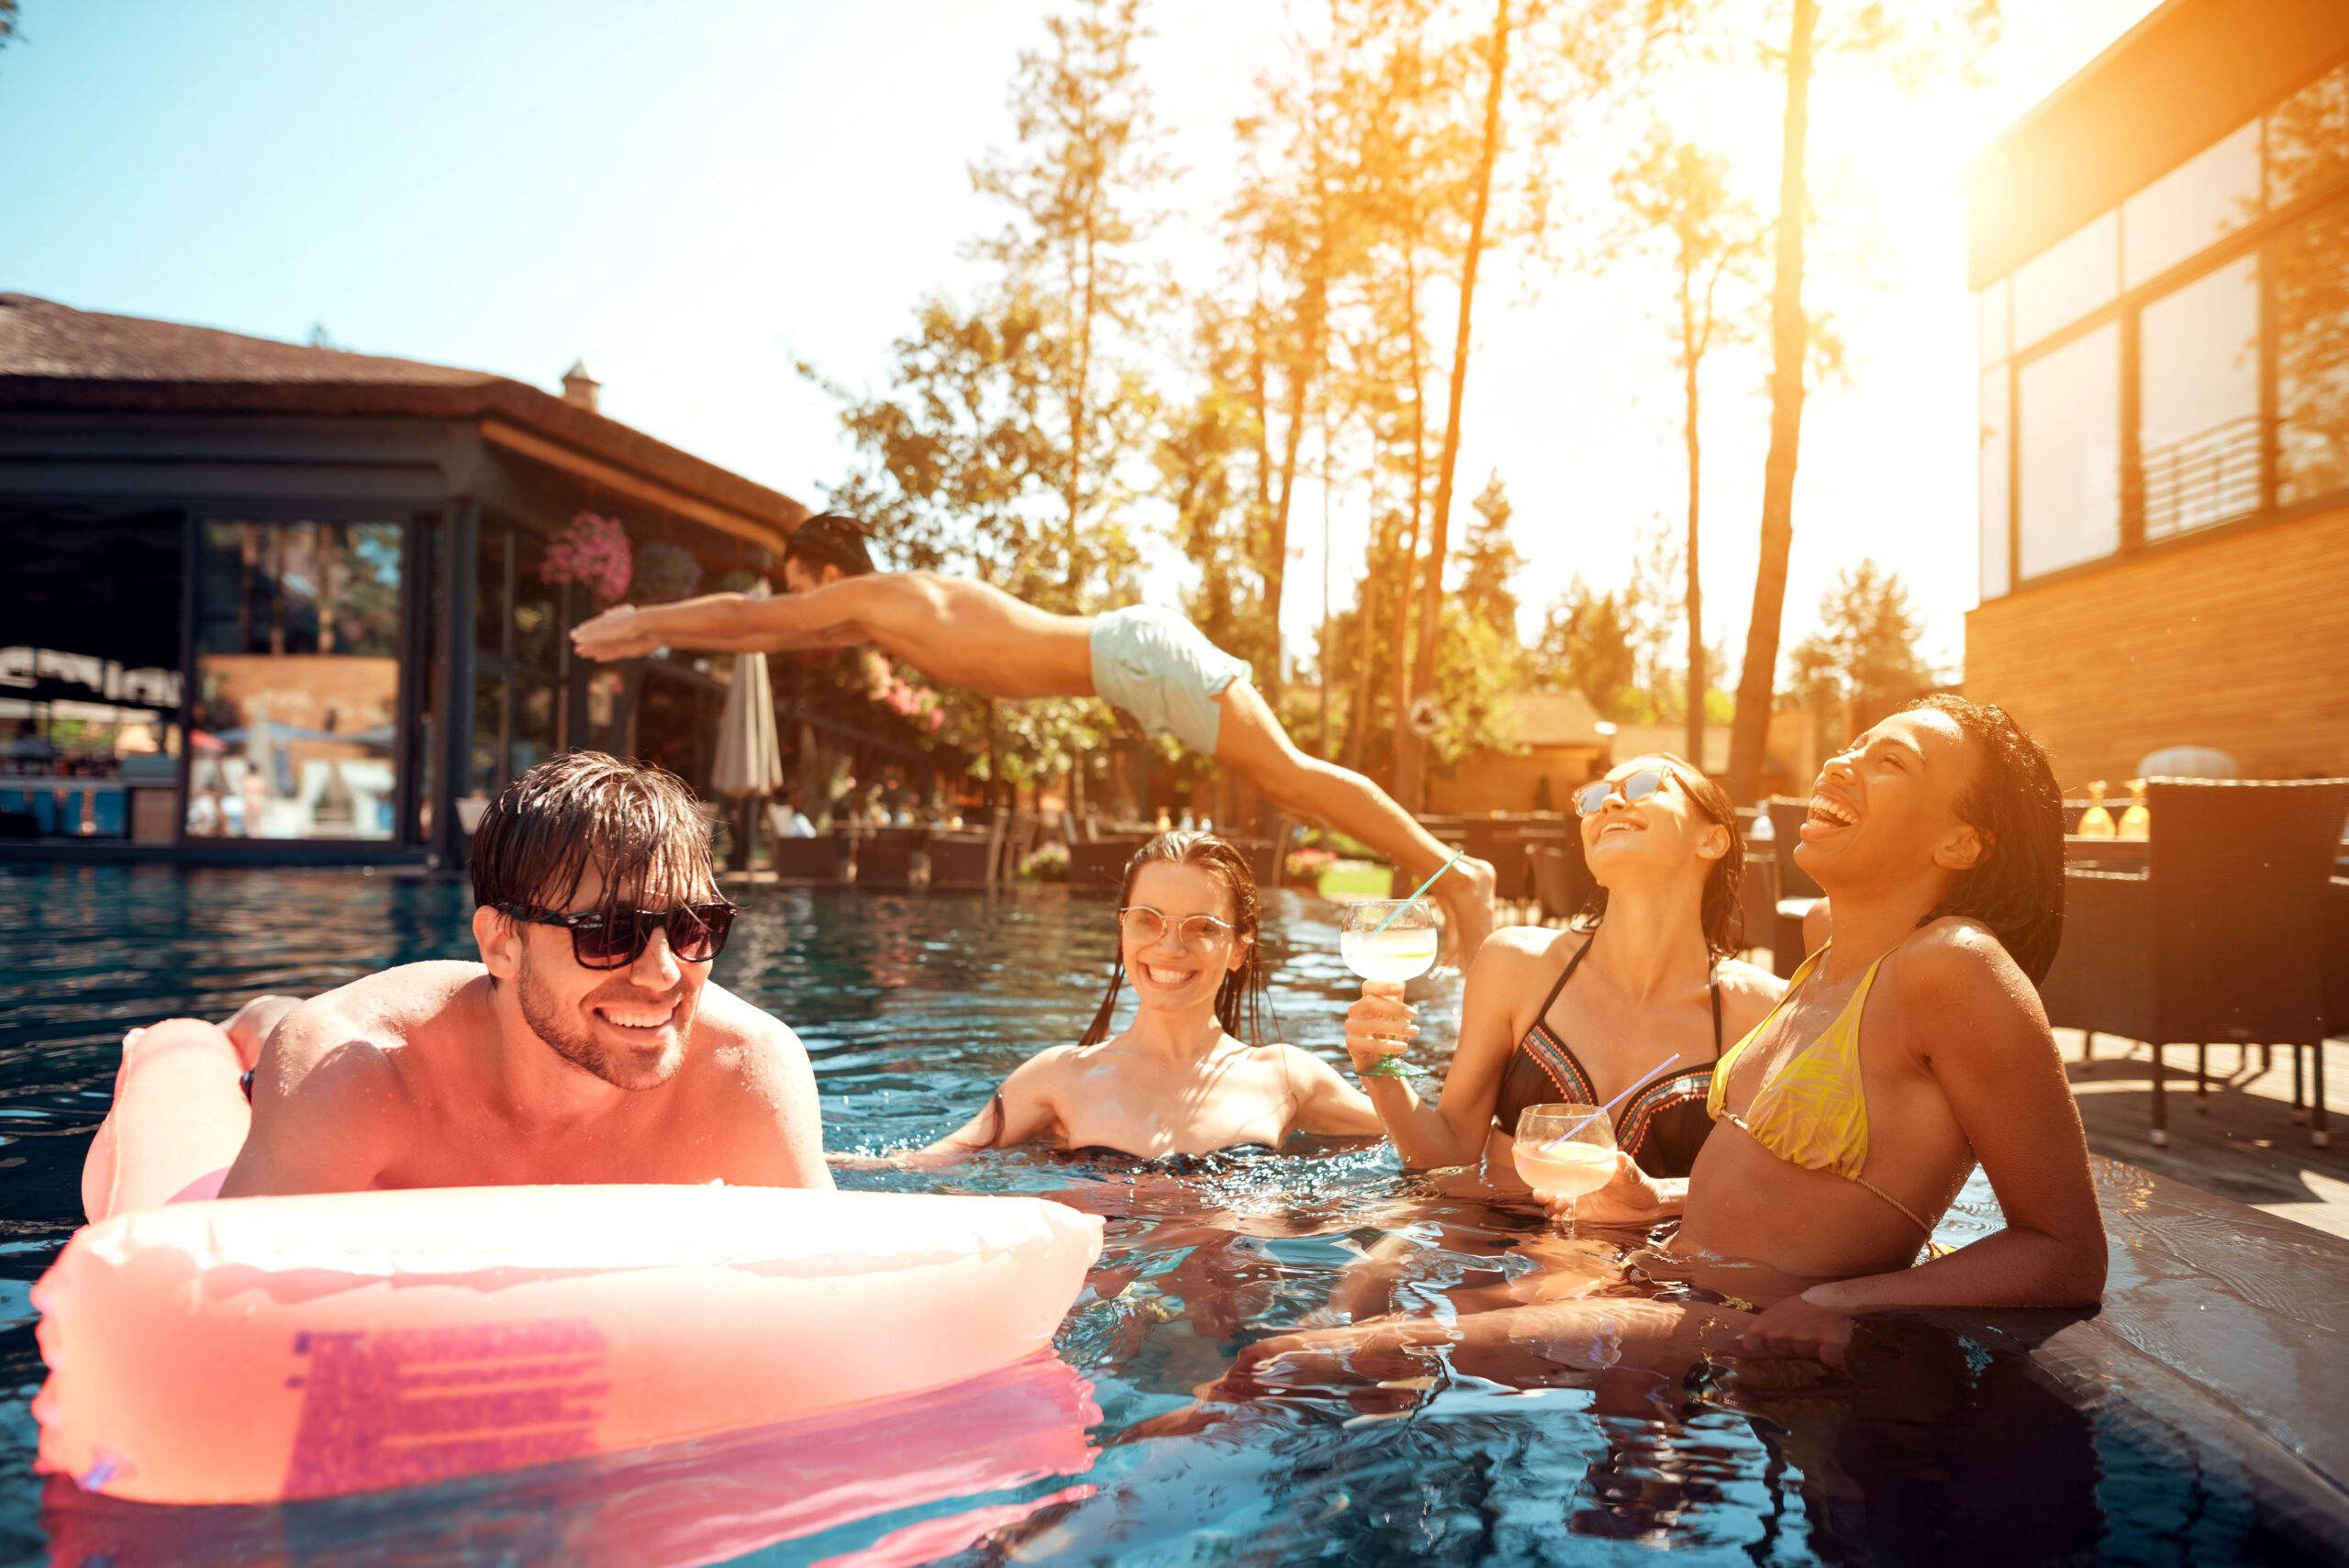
(744, 1041)
(384, 1010)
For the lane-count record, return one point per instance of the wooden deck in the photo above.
(2244, 1146)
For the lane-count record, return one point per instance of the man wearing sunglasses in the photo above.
(587, 1045)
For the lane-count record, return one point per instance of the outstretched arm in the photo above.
(724, 623)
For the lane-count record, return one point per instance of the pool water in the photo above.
(913, 1007)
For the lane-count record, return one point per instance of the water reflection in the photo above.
(2313, 357)
(1946, 1445)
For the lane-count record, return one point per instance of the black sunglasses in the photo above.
(615, 938)
(1591, 799)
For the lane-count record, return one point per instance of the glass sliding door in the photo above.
(297, 671)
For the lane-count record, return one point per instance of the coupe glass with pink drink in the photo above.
(1564, 1151)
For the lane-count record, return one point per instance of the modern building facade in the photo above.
(265, 601)
(2161, 255)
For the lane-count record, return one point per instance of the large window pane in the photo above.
(535, 634)
(489, 588)
(2312, 358)
(2188, 209)
(297, 672)
(489, 736)
(2068, 280)
(2198, 432)
(2070, 455)
(534, 726)
(1994, 439)
(2307, 139)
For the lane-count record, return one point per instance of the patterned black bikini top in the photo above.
(1660, 1125)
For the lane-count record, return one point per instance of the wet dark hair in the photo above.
(2017, 887)
(1242, 996)
(1722, 914)
(636, 822)
(830, 538)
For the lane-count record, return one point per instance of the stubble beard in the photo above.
(570, 1041)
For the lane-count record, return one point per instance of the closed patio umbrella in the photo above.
(750, 758)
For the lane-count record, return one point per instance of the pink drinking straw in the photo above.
(1613, 1103)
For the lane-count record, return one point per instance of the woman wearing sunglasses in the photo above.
(1179, 1079)
(1635, 1000)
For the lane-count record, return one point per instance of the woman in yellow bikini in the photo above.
(1910, 1046)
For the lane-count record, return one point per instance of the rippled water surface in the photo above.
(913, 1008)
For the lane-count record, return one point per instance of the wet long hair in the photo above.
(2017, 887)
(1240, 998)
(1722, 912)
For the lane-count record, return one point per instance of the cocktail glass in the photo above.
(1397, 949)
(1564, 1150)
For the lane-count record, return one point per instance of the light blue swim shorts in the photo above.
(1159, 667)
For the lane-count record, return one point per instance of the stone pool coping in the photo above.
(2224, 1331)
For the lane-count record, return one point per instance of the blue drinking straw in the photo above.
(1613, 1103)
(1414, 898)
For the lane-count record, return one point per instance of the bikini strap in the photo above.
(1564, 976)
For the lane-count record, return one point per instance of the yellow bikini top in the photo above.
(1811, 1110)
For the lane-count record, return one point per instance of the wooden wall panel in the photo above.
(2239, 641)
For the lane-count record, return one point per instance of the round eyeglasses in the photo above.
(1196, 932)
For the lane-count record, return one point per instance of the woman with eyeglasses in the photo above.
(1636, 998)
(1179, 1079)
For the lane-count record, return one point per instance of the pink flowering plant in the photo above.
(901, 696)
(592, 551)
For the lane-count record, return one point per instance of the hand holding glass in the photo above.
(1394, 950)
(1564, 1151)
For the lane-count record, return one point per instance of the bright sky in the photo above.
(693, 196)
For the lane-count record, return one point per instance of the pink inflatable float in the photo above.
(251, 1348)
(952, 1458)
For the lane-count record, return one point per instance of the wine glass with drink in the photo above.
(1564, 1151)
(1392, 939)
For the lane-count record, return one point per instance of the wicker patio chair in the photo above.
(1757, 900)
(1562, 880)
(1786, 824)
(1512, 857)
(2221, 940)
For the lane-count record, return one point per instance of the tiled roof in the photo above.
(54, 357)
(1556, 718)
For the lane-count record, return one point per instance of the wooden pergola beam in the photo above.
(620, 481)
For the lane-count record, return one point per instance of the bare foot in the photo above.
(248, 1029)
(1467, 911)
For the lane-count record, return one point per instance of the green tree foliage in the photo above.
(1079, 183)
(1866, 648)
(1587, 645)
(1676, 196)
(1207, 459)
(953, 457)
(1489, 559)
(1909, 46)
